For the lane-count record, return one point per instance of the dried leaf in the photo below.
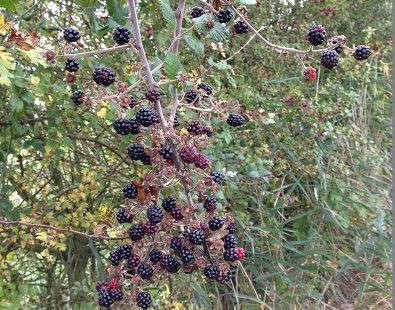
(23, 42)
(219, 234)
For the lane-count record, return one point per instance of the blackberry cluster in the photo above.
(114, 258)
(176, 243)
(186, 255)
(71, 35)
(191, 95)
(136, 151)
(124, 251)
(116, 294)
(240, 27)
(217, 177)
(210, 204)
(167, 153)
(216, 223)
(229, 241)
(195, 127)
(105, 299)
(72, 64)
(211, 272)
(235, 120)
(143, 300)
(201, 161)
(169, 204)
(177, 214)
(146, 117)
(121, 35)
(224, 16)
(154, 214)
(122, 217)
(197, 12)
(196, 236)
(145, 271)
(133, 126)
(207, 88)
(187, 155)
(77, 97)
(136, 232)
(170, 264)
(152, 95)
(330, 59)
(362, 52)
(103, 76)
(230, 254)
(133, 261)
(155, 256)
(316, 35)
(121, 126)
(130, 191)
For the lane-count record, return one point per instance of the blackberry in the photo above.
(177, 214)
(240, 253)
(224, 277)
(152, 95)
(211, 272)
(207, 88)
(230, 254)
(133, 261)
(121, 126)
(176, 243)
(216, 223)
(133, 126)
(201, 161)
(196, 236)
(71, 35)
(105, 299)
(154, 214)
(136, 151)
(72, 64)
(133, 101)
(186, 255)
(169, 263)
(103, 76)
(146, 117)
(235, 120)
(130, 191)
(191, 95)
(143, 300)
(217, 177)
(232, 228)
(114, 258)
(187, 154)
(116, 294)
(122, 217)
(207, 131)
(224, 16)
(146, 159)
(77, 97)
(176, 122)
(136, 232)
(196, 12)
(229, 241)
(167, 153)
(145, 271)
(121, 35)
(210, 204)
(169, 203)
(362, 52)
(150, 228)
(240, 27)
(195, 128)
(101, 285)
(316, 35)
(329, 59)
(124, 251)
(155, 256)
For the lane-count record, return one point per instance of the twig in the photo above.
(252, 285)
(244, 46)
(97, 52)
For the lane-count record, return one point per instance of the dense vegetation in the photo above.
(307, 177)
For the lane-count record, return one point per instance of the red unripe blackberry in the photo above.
(105, 299)
(146, 159)
(329, 59)
(114, 258)
(362, 52)
(196, 12)
(224, 16)
(167, 153)
(77, 97)
(72, 64)
(130, 191)
(217, 177)
(121, 35)
(154, 214)
(202, 161)
(230, 254)
(186, 255)
(191, 95)
(176, 243)
(210, 204)
(196, 236)
(150, 228)
(152, 95)
(136, 151)
(169, 203)
(133, 261)
(146, 117)
(136, 232)
(316, 35)
(207, 88)
(211, 272)
(116, 294)
(240, 27)
(122, 217)
(103, 76)
(121, 126)
(155, 256)
(177, 214)
(71, 35)
(229, 241)
(216, 223)
(187, 154)
(145, 271)
(195, 128)
(240, 253)
(235, 120)
(143, 300)
(124, 251)
(309, 74)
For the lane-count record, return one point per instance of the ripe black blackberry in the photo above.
(201, 161)
(211, 272)
(169, 263)
(207, 88)
(146, 117)
(77, 97)
(101, 285)
(240, 27)
(72, 64)
(152, 95)
(114, 258)
(133, 101)
(230, 254)
(216, 223)
(116, 294)
(207, 131)
(224, 16)
(154, 214)
(155, 256)
(105, 299)
(133, 261)
(187, 154)
(145, 271)
(196, 236)
(176, 243)
(130, 191)
(121, 35)
(121, 126)
(195, 127)
(186, 255)
(150, 228)
(224, 277)
(197, 12)
(316, 35)
(103, 76)
(136, 151)
(191, 95)
(136, 232)
(146, 159)
(177, 214)
(235, 120)
(122, 217)
(362, 52)
(334, 41)
(176, 122)
(124, 251)
(210, 204)
(229, 241)
(169, 203)
(143, 300)
(133, 126)
(329, 59)
(71, 35)
(232, 228)
(217, 177)
(167, 153)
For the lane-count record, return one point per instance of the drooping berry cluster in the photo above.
(103, 76)
(121, 35)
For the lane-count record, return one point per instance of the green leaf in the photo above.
(168, 12)
(219, 32)
(195, 44)
(173, 66)
(16, 104)
(8, 4)
(254, 174)
(7, 209)
(87, 3)
(117, 11)
(35, 56)
(246, 2)
(222, 65)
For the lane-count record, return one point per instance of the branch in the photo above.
(61, 230)
(97, 52)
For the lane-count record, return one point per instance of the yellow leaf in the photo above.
(48, 150)
(102, 113)
(35, 80)
(6, 56)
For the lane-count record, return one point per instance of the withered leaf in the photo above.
(217, 235)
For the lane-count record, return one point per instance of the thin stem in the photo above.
(97, 52)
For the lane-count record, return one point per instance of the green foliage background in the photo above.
(307, 179)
